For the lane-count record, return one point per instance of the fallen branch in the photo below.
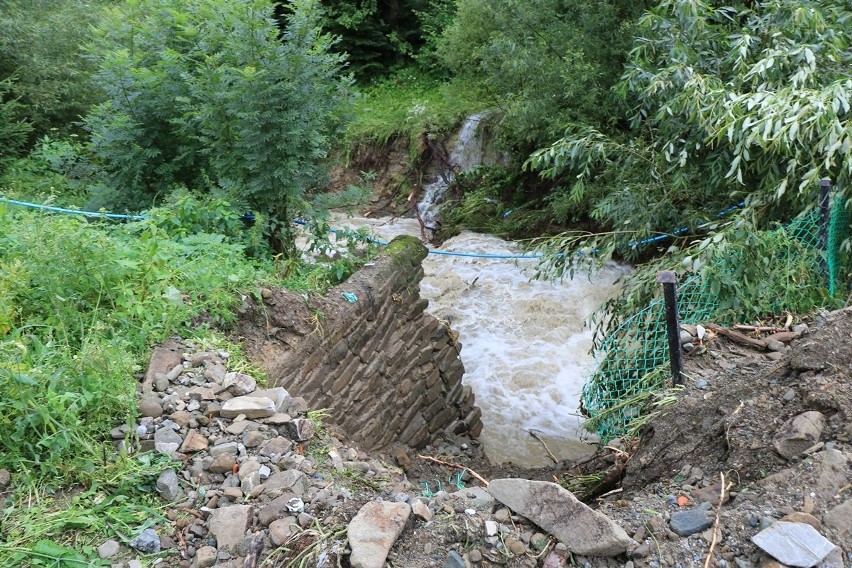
(758, 328)
(782, 336)
(613, 492)
(737, 337)
(453, 465)
(546, 449)
(731, 423)
(716, 523)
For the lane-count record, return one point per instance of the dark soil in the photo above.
(728, 425)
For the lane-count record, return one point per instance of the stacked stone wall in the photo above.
(388, 371)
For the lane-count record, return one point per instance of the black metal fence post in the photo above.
(669, 281)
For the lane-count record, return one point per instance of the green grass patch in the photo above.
(410, 105)
(81, 303)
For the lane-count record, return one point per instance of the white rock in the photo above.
(374, 531)
(793, 544)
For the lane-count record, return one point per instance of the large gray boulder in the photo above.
(582, 529)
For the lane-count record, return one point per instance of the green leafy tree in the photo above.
(42, 44)
(747, 102)
(213, 96)
(380, 36)
(546, 63)
(13, 129)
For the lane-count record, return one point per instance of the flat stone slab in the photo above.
(229, 525)
(374, 531)
(556, 510)
(685, 523)
(251, 406)
(793, 544)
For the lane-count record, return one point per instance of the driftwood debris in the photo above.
(454, 466)
(758, 328)
(753, 342)
(736, 336)
(535, 435)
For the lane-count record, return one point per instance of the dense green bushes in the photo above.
(547, 64)
(380, 38)
(79, 304)
(728, 104)
(213, 97)
(43, 45)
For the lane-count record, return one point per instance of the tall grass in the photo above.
(410, 105)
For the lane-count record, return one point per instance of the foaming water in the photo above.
(466, 153)
(525, 345)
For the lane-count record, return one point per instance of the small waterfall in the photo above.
(466, 154)
(525, 343)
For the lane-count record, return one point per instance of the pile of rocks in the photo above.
(249, 480)
(255, 482)
(258, 483)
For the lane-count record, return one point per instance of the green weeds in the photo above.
(410, 105)
(80, 305)
(45, 527)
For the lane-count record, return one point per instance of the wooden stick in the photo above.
(613, 492)
(716, 523)
(453, 465)
(546, 449)
(737, 337)
(758, 328)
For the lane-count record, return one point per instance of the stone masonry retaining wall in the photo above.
(387, 371)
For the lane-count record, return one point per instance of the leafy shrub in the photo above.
(13, 129)
(50, 173)
(210, 95)
(42, 44)
(79, 304)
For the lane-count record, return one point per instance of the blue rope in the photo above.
(683, 230)
(74, 211)
(379, 242)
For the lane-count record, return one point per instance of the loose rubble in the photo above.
(256, 478)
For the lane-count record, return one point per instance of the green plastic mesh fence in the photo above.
(633, 360)
(838, 230)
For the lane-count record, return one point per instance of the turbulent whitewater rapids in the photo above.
(525, 346)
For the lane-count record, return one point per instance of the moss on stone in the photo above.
(406, 249)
